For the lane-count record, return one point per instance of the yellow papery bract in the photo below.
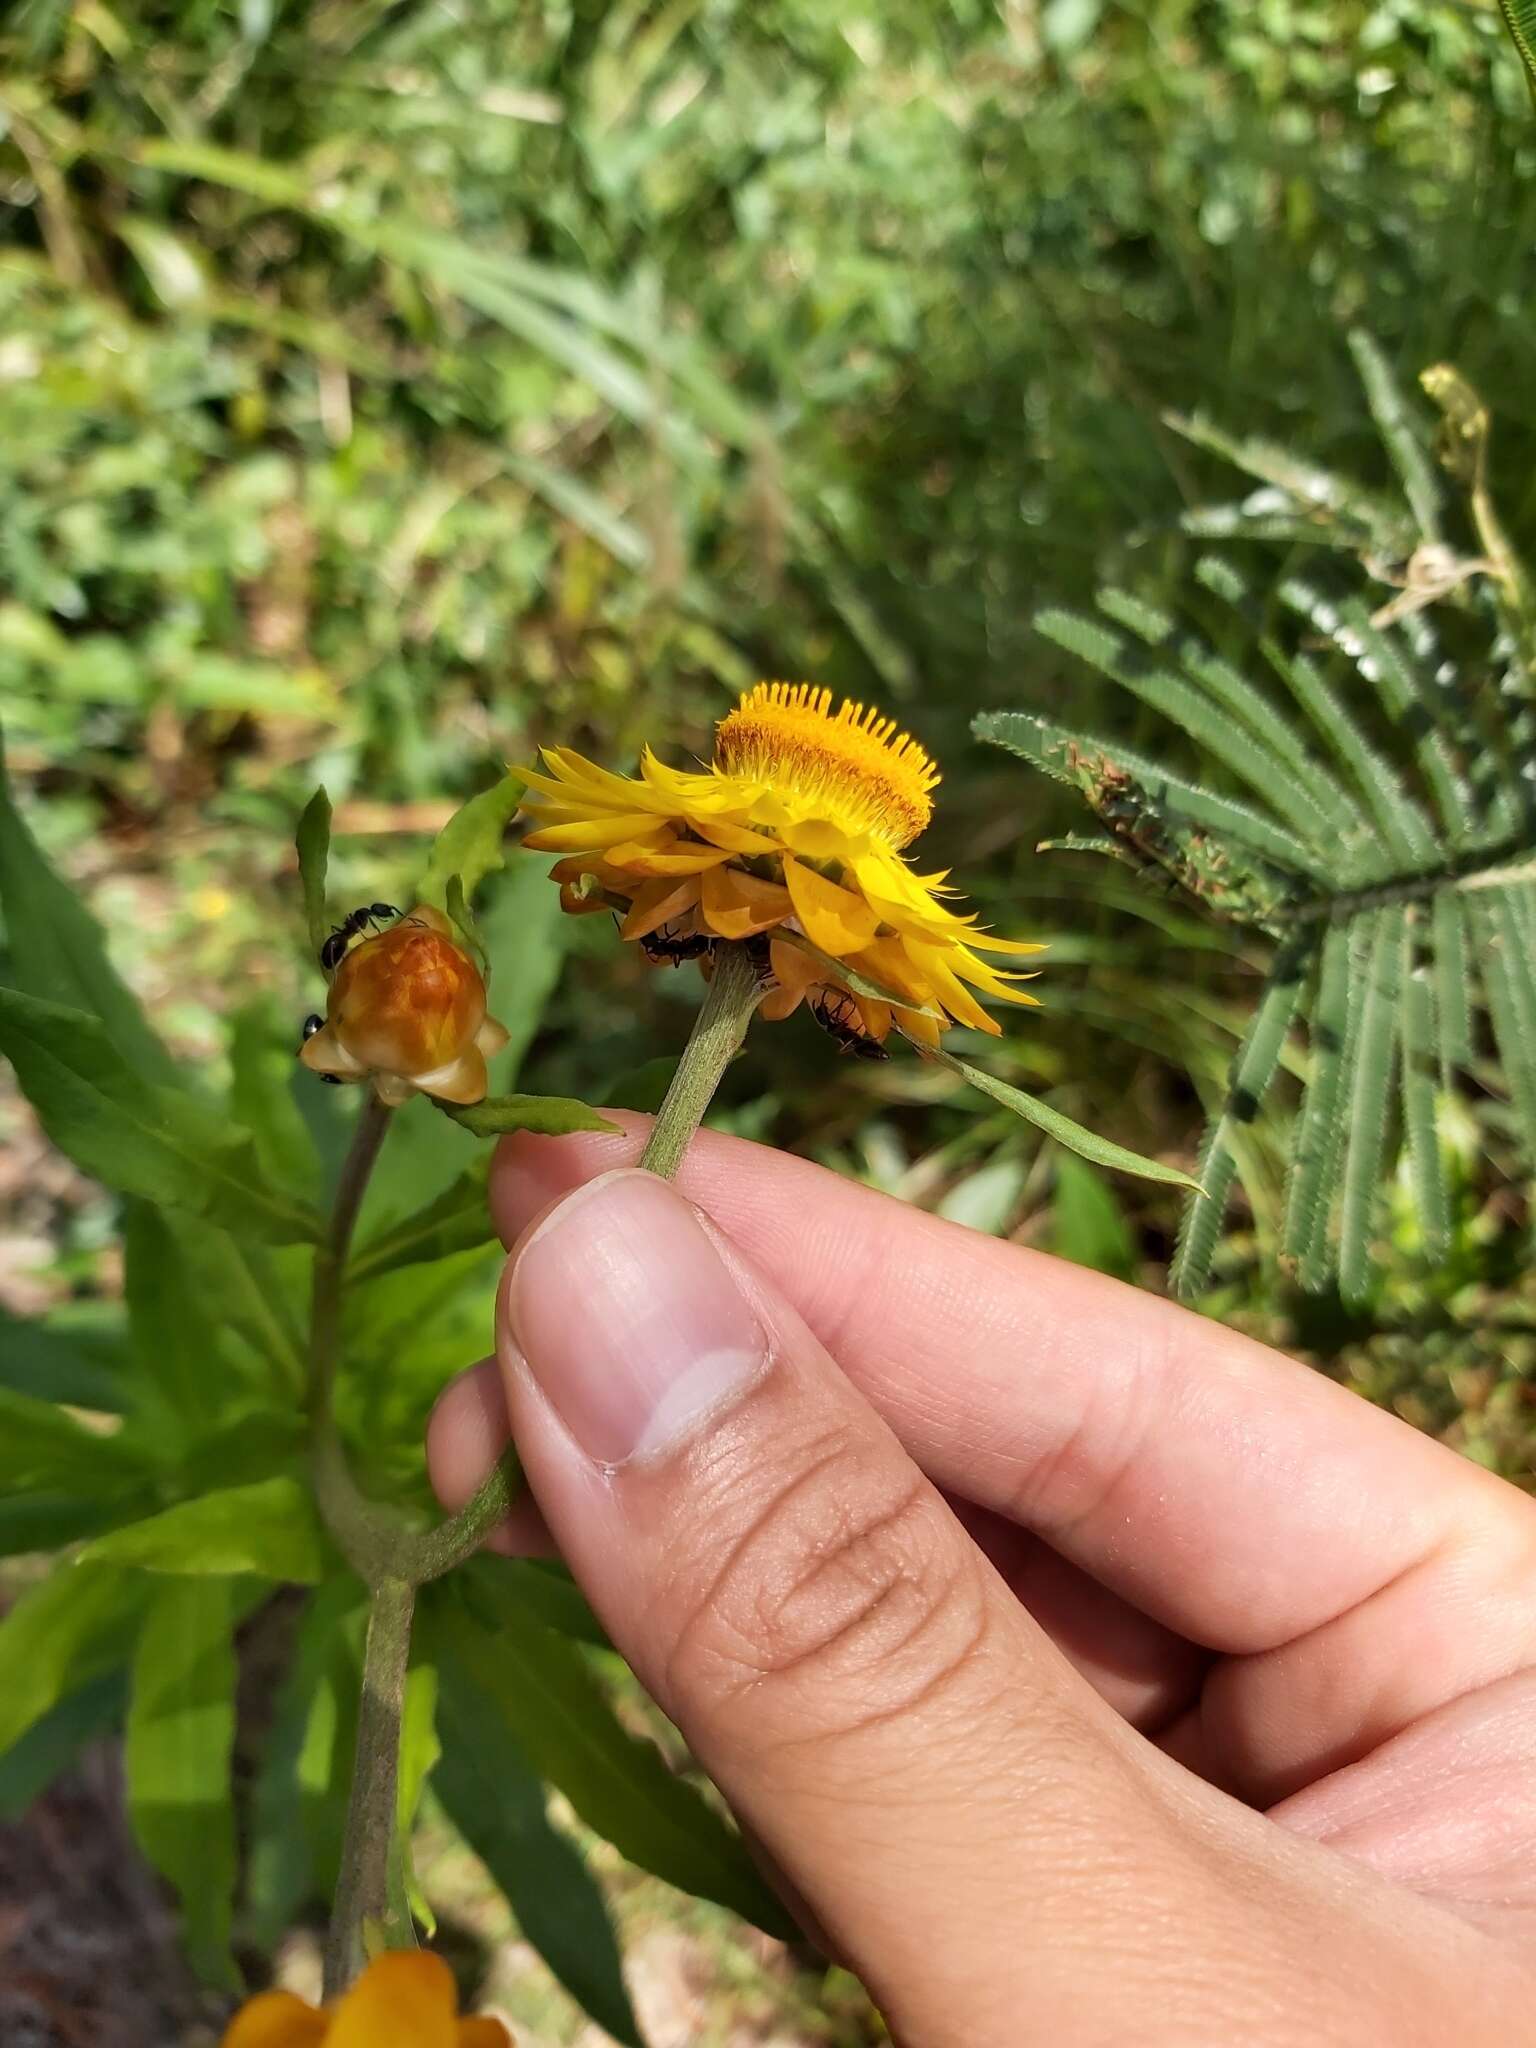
(404, 1999)
(796, 828)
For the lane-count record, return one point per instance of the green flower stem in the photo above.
(362, 1890)
(388, 1552)
(716, 1038)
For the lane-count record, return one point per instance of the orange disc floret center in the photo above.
(852, 767)
(408, 1001)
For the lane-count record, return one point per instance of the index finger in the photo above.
(1229, 1492)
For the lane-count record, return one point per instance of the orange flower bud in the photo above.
(407, 1010)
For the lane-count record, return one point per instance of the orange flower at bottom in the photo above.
(405, 1999)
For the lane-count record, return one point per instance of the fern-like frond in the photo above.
(1384, 836)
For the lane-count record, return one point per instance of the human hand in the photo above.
(1092, 1673)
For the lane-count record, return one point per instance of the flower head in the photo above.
(405, 1999)
(792, 837)
(406, 1010)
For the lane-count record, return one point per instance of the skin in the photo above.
(1090, 1673)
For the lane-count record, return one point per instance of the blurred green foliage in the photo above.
(387, 388)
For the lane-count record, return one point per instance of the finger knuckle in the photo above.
(843, 1600)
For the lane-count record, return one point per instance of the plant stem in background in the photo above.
(717, 1034)
(362, 1890)
(331, 1258)
(392, 1557)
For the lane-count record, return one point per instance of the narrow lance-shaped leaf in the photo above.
(553, 1115)
(540, 1687)
(1252, 1071)
(181, 1727)
(268, 1529)
(498, 1804)
(313, 842)
(78, 1623)
(56, 949)
(458, 1220)
(1367, 1105)
(141, 1139)
(55, 1360)
(1101, 1151)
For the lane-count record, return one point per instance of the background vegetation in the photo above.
(386, 389)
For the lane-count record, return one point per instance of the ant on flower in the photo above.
(838, 1015)
(334, 950)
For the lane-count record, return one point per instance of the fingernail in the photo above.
(630, 1321)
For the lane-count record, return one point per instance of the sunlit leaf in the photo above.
(268, 1529)
(181, 1730)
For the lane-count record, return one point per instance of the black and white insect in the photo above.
(334, 950)
(672, 944)
(838, 1015)
(312, 1024)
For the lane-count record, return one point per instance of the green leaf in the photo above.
(268, 1528)
(419, 1752)
(181, 1728)
(1367, 1102)
(1243, 746)
(1509, 982)
(1315, 1145)
(1110, 775)
(1405, 440)
(56, 951)
(137, 1137)
(457, 1221)
(1252, 1071)
(1421, 1084)
(1453, 982)
(463, 920)
(296, 1804)
(52, 1744)
(1088, 1225)
(553, 1115)
(212, 1319)
(61, 1634)
(263, 1049)
(540, 1688)
(498, 1805)
(470, 844)
(44, 1449)
(1085, 1143)
(56, 1359)
(313, 842)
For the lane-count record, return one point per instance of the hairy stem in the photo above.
(717, 1033)
(362, 1890)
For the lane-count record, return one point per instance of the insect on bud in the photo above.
(406, 1011)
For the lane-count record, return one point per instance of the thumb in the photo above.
(910, 1748)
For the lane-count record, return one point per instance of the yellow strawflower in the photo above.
(793, 838)
(405, 1999)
